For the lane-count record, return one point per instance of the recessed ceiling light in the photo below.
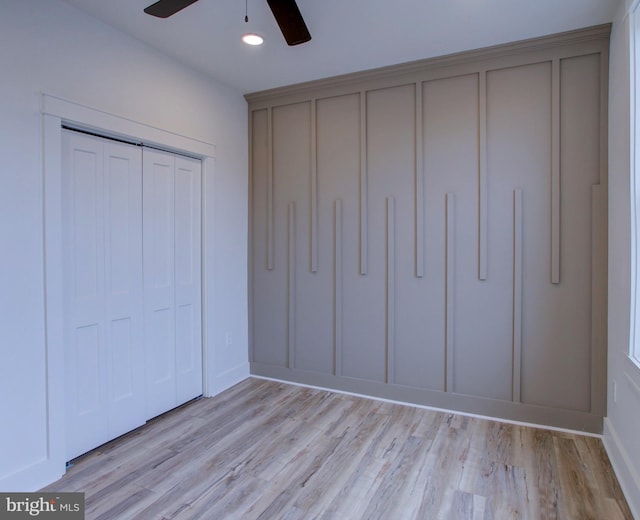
(252, 39)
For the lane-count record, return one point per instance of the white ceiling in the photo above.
(347, 35)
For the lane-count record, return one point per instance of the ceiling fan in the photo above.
(285, 12)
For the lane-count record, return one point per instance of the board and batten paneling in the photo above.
(431, 232)
(338, 173)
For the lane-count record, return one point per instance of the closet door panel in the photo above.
(160, 361)
(86, 229)
(83, 249)
(123, 286)
(188, 279)
(123, 372)
(87, 425)
(159, 288)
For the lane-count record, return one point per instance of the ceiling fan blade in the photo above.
(290, 20)
(167, 8)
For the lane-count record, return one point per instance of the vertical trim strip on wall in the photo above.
(291, 284)
(555, 171)
(604, 121)
(54, 315)
(599, 260)
(598, 401)
(252, 262)
(391, 290)
(314, 188)
(419, 185)
(204, 323)
(517, 296)
(364, 219)
(482, 175)
(449, 308)
(337, 288)
(270, 230)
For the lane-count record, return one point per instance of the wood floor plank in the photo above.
(269, 450)
(574, 481)
(441, 470)
(330, 478)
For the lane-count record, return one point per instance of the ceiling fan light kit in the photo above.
(252, 39)
(286, 12)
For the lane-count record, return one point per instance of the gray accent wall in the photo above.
(435, 232)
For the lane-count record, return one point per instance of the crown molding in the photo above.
(589, 34)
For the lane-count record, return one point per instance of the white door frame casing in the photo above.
(57, 112)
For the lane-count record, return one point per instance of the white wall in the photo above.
(622, 426)
(48, 46)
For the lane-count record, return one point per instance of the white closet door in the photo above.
(171, 216)
(123, 287)
(158, 202)
(188, 278)
(102, 247)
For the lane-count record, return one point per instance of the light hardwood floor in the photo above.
(267, 450)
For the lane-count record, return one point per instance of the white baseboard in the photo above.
(32, 478)
(228, 378)
(624, 470)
